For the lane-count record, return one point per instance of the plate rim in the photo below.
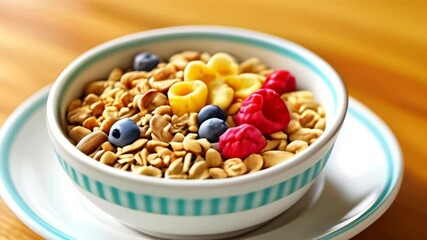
(14, 123)
(8, 192)
(387, 139)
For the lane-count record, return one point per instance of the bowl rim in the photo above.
(60, 85)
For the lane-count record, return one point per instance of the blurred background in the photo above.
(378, 47)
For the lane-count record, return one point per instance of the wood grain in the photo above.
(378, 47)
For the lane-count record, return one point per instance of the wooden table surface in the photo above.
(378, 47)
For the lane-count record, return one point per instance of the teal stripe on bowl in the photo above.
(281, 189)
(132, 200)
(86, 183)
(232, 204)
(294, 182)
(215, 204)
(116, 196)
(61, 161)
(199, 207)
(317, 168)
(180, 205)
(74, 176)
(100, 189)
(164, 203)
(198, 204)
(249, 200)
(148, 203)
(63, 164)
(266, 193)
(305, 176)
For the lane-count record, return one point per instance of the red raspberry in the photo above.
(280, 81)
(241, 141)
(265, 110)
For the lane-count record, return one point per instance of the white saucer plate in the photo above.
(359, 183)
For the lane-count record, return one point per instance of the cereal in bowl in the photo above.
(194, 116)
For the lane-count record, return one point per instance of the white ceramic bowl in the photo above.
(195, 208)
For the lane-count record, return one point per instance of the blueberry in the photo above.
(145, 61)
(210, 111)
(212, 129)
(123, 132)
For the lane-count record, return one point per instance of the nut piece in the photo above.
(90, 99)
(162, 110)
(149, 171)
(213, 158)
(162, 85)
(175, 167)
(271, 144)
(279, 135)
(97, 156)
(234, 107)
(108, 146)
(204, 143)
(275, 157)
(199, 170)
(179, 137)
(128, 78)
(96, 87)
(158, 124)
(309, 118)
(192, 146)
(152, 144)
(108, 158)
(138, 144)
(74, 104)
(296, 146)
(92, 141)
(110, 112)
(306, 134)
(115, 74)
(163, 72)
(254, 162)
(97, 108)
(321, 111)
(151, 100)
(106, 125)
(217, 173)
(77, 133)
(90, 123)
(176, 146)
(321, 124)
(142, 157)
(78, 115)
(187, 161)
(252, 65)
(178, 176)
(179, 124)
(282, 146)
(154, 160)
(234, 167)
(230, 121)
(293, 126)
(308, 106)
